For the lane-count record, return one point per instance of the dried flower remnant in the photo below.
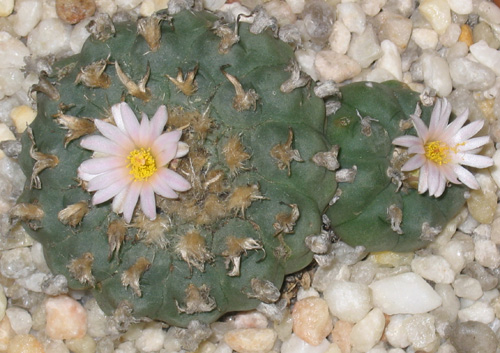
(228, 38)
(133, 162)
(81, 269)
(185, 84)
(77, 127)
(192, 248)
(284, 154)
(27, 212)
(138, 90)
(235, 154)
(93, 75)
(243, 100)
(235, 248)
(149, 28)
(132, 275)
(116, 236)
(285, 221)
(440, 150)
(73, 214)
(198, 300)
(43, 161)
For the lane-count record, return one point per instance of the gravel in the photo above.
(444, 298)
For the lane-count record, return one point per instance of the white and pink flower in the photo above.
(131, 161)
(440, 150)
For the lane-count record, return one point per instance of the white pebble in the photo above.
(433, 268)
(372, 7)
(478, 311)
(406, 293)
(348, 301)
(390, 60)
(40, 40)
(28, 14)
(126, 347)
(487, 56)
(396, 28)
(212, 5)
(471, 75)
(20, 320)
(11, 81)
(33, 282)
(6, 134)
(339, 38)
(425, 38)
(450, 37)
(98, 325)
(459, 251)
(436, 74)
(281, 11)
(295, 345)
(495, 169)
(78, 36)
(306, 60)
(22, 116)
(56, 347)
(3, 303)
(12, 52)
(461, 7)
(106, 6)
(421, 331)
(16, 263)
(352, 15)
(451, 304)
(486, 253)
(127, 5)
(467, 287)
(6, 7)
(251, 340)
(297, 6)
(367, 332)
(151, 339)
(489, 12)
(364, 47)
(437, 12)
(336, 67)
(396, 333)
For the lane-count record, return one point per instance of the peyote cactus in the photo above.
(252, 164)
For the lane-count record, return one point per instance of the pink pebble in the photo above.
(66, 318)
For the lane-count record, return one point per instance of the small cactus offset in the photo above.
(176, 167)
(376, 204)
(244, 191)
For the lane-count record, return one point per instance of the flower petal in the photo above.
(413, 163)
(407, 141)
(101, 165)
(174, 180)
(468, 131)
(131, 200)
(106, 194)
(118, 201)
(441, 186)
(148, 204)
(423, 180)
(144, 132)
(182, 149)
(448, 172)
(130, 122)
(166, 155)
(101, 144)
(457, 123)
(158, 121)
(104, 180)
(416, 149)
(439, 118)
(164, 141)
(473, 160)
(433, 178)
(161, 187)
(466, 177)
(473, 143)
(421, 128)
(114, 134)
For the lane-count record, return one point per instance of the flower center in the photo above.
(438, 152)
(141, 164)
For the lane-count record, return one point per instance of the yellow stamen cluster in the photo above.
(141, 164)
(438, 152)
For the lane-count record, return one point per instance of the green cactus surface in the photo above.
(257, 188)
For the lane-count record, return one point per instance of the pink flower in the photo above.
(131, 161)
(440, 150)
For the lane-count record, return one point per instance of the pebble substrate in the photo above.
(444, 298)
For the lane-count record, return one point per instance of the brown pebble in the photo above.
(466, 35)
(341, 335)
(73, 11)
(311, 320)
(251, 340)
(25, 344)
